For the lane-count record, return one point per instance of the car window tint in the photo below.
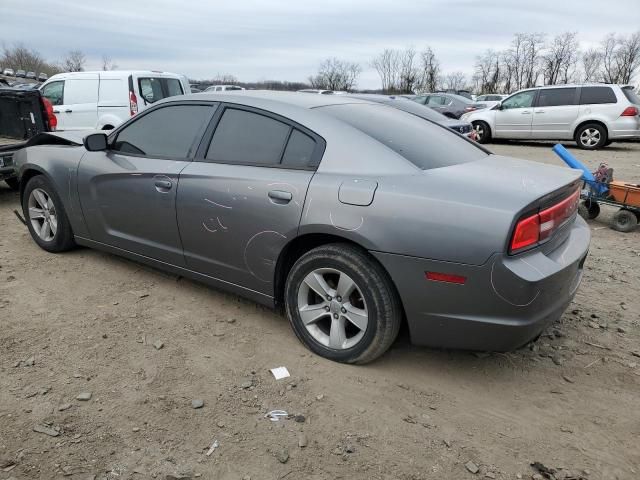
(53, 92)
(421, 99)
(519, 100)
(244, 137)
(166, 132)
(299, 151)
(555, 97)
(424, 144)
(597, 95)
(436, 100)
(173, 87)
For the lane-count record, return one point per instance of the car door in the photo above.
(437, 103)
(513, 118)
(128, 193)
(79, 110)
(240, 201)
(555, 111)
(54, 92)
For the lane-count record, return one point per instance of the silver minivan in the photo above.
(592, 115)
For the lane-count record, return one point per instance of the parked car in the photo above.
(591, 115)
(21, 74)
(31, 75)
(103, 100)
(317, 91)
(43, 77)
(8, 72)
(448, 104)
(222, 88)
(351, 214)
(490, 100)
(26, 86)
(406, 105)
(23, 115)
(460, 92)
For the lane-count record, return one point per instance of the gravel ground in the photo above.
(87, 322)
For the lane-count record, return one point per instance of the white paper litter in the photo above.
(212, 448)
(280, 372)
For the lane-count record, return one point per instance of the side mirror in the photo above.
(96, 142)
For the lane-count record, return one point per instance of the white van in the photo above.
(103, 100)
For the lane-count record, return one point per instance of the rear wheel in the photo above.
(46, 218)
(341, 304)
(624, 221)
(589, 209)
(13, 183)
(483, 131)
(591, 136)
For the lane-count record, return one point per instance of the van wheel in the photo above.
(624, 221)
(483, 131)
(342, 305)
(591, 136)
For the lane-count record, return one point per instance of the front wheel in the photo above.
(342, 304)
(46, 218)
(483, 131)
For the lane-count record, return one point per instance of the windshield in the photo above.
(425, 144)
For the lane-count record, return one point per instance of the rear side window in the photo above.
(77, 91)
(166, 132)
(299, 151)
(631, 95)
(556, 97)
(54, 92)
(248, 138)
(436, 100)
(597, 95)
(424, 144)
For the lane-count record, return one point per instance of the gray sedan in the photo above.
(353, 216)
(448, 104)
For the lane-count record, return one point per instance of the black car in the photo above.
(405, 104)
(448, 104)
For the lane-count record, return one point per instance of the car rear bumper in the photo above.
(625, 127)
(503, 304)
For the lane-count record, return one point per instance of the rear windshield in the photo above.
(153, 89)
(424, 144)
(631, 95)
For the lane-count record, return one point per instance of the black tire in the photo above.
(13, 183)
(63, 238)
(383, 305)
(589, 209)
(483, 131)
(624, 221)
(582, 134)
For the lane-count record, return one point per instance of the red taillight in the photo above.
(629, 112)
(445, 277)
(52, 120)
(540, 226)
(133, 104)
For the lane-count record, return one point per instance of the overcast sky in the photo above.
(287, 40)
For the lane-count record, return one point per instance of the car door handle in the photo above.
(56, 111)
(68, 111)
(163, 184)
(526, 112)
(280, 196)
(539, 111)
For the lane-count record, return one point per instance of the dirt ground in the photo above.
(86, 322)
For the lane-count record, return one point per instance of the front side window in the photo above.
(54, 92)
(436, 101)
(519, 100)
(166, 132)
(597, 95)
(557, 97)
(422, 99)
(425, 144)
(248, 138)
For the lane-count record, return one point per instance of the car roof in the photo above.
(296, 99)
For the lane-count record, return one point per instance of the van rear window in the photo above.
(153, 89)
(597, 95)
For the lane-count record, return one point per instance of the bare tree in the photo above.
(107, 63)
(408, 74)
(19, 57)
(335, 74)
(429, 70)
(387, 64)
(559, 61)
(74, 61)
(455, 80)
(488, 72)
(591, 63)
(628, 57)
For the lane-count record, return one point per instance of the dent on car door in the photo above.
(241, 200)
(128, 193)
(513, 119)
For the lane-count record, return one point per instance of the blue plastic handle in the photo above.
(573, 162)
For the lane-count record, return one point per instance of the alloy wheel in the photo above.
(590, 137)
(332, 308)
(42, 214)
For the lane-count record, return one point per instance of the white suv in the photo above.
(591, 115)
